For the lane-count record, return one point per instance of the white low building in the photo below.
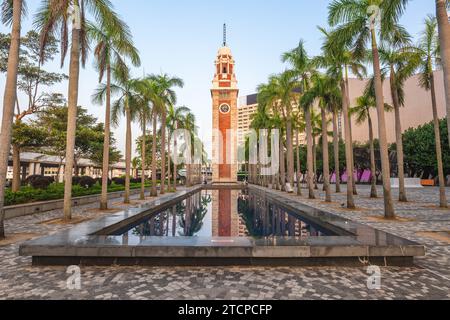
(52, 166)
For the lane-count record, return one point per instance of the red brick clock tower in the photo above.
(224, 94)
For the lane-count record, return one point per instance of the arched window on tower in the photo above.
(224, 69)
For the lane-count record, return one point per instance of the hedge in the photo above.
(56, 192)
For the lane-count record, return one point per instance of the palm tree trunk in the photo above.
(154, 190)
(290, 153)
(310, 156)
(175, 173)
(373, 167)
(74, 76)
(169, 181)
(128, 156)
(299, 169)
(9, 101)
(282, 169)
(347, 90)
(399, 140)
(348, 146)
(106, 142)
(444, 37)
(389, 211)
(336, 152)
(144, 152)
(316, 178)
(163, 151)
(442, 196)
(326, 159)
(16, 168)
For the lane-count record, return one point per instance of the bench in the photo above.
(428, 183)
(411, 183)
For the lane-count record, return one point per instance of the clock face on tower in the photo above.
(224, 108)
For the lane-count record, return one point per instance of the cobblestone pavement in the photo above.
(430, 279)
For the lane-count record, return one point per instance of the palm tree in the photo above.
(144, 114)
(167, 96)
(128, 104)
(176, 117)
(324, 91)
(299, 128)
(191, 127)
(444, 37)
(429, 47)
(355, 25)
(338, 59)
(12, 12)
(112, 46)
(59, 17)
(400, 60)
(303, 67)
(364, 104)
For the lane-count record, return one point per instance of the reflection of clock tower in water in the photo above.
(224, 95)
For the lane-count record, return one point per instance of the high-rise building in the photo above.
(247, 107)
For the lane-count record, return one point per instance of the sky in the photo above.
(181, 38)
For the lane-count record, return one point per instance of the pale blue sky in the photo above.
(182, 38)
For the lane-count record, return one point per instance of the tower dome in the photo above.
(225, 51)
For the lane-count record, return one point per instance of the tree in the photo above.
(355, 25)
(303, 67)
(167, 96)
(113, 45)
(400, 60)
(128, 105)
(324, 91)
(31, 78)
(444, 38)
(430, 56)
(56, 17)
(364, 104)
(25, 137)
(338, 59)
(12, 12)
(144, 114)
(176, 117)
(89, 136)
(420, 150)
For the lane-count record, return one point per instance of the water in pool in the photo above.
(224, 213)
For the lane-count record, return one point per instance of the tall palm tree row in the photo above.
(303, 68)
(166, 96)
(355, 26)
(12, 12)
(399, 60)
(176, 119)
(338, 59)
(61, 19)
(112, 46)
(431, 56)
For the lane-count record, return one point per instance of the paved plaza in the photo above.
(421, 221)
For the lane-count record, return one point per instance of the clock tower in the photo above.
(224, 95)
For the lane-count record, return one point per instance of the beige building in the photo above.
(417, 110)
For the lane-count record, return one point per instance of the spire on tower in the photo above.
(224, 34)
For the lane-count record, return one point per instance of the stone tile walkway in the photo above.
(429, 280)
